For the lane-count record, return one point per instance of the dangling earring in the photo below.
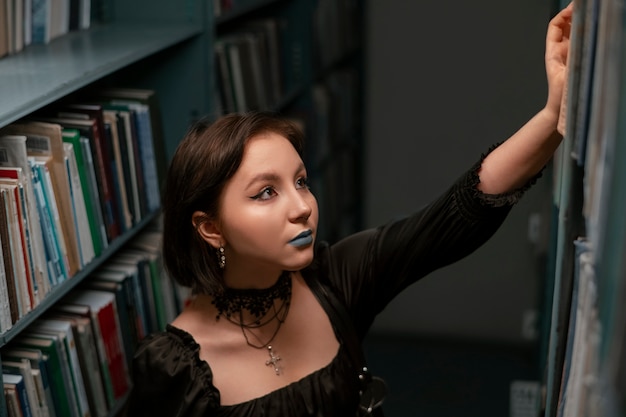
(221, 257)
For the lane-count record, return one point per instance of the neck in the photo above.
(254, 307)
(251, 279)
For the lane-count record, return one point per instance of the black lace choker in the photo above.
(232, 302)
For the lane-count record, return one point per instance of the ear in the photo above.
(208, 229)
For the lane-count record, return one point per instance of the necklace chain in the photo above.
(232, 302)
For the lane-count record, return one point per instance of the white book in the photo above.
(85, 246)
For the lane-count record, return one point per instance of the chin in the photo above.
(302, 260)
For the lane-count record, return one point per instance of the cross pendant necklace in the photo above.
(273, 360)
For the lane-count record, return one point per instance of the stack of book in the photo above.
(26, 22)
(74, 360)
(73, 178)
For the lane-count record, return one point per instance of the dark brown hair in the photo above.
(207, 157)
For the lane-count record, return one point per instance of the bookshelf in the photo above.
(155, 45)
(169, 48)
(586, 333)
(315, 77)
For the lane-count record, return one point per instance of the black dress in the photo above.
(363, 272)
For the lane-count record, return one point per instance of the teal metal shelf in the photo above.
(41, 74)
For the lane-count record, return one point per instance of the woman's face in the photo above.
(268, 216)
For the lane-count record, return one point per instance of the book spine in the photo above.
(105, 367)
(148, 159)
(29, 256)
(12, 286)
(17, 253)
(113, 348)
(98, 226)
(55, 268)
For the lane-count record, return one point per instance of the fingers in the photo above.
(560, 25)
(558, 35)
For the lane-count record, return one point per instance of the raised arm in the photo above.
(525, 153)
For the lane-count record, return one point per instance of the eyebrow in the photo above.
(269, 176)
(262, 177)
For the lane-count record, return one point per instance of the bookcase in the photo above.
(302, 59)
(170, 48)
(585, 333)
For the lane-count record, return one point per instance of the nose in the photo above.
(301, 208)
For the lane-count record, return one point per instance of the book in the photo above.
(166, 298)
(6, 316)
(79, 14)
(13, 155)
(45, 140)
(149, 242)
(128, 131)
(63, 328)
(49, 348)
(239, 49)
(119, 285)
(30, 230)
(59, 17)
(89, 121)
(48, 213)
(41, 22)
(129, 117)
(140, 273)
(23, 230)
(106, 382)
(269, 48)
(87, 354)
(118, 172)
(4, 30)
(86, 175)
(103, 311)
(128, 276)
(39, 367)
(28, 22)
(12, 279)
(22, 367)
(18, 26)
(44, 166)
(61, 332)
(152, 132)
(13, 407)
(90, 174)
(16, 385)
(79, 208)
(10, 199)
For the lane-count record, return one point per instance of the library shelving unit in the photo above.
(154, 44)
(169, 47)
(308, 67)
(585, 340)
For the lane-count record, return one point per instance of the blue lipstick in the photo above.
(303, 239)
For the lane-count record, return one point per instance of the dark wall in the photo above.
(446, 79)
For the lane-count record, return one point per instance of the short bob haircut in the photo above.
(207, 157)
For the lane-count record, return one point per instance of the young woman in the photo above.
(275, 324)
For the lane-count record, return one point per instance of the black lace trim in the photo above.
(503, 199)
(231, 302)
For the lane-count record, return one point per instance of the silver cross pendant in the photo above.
(273, 360)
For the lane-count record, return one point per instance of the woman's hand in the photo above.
(557, 49)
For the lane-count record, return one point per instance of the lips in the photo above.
(303, 239)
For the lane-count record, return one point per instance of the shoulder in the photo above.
(171, 354)
(168, 362)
